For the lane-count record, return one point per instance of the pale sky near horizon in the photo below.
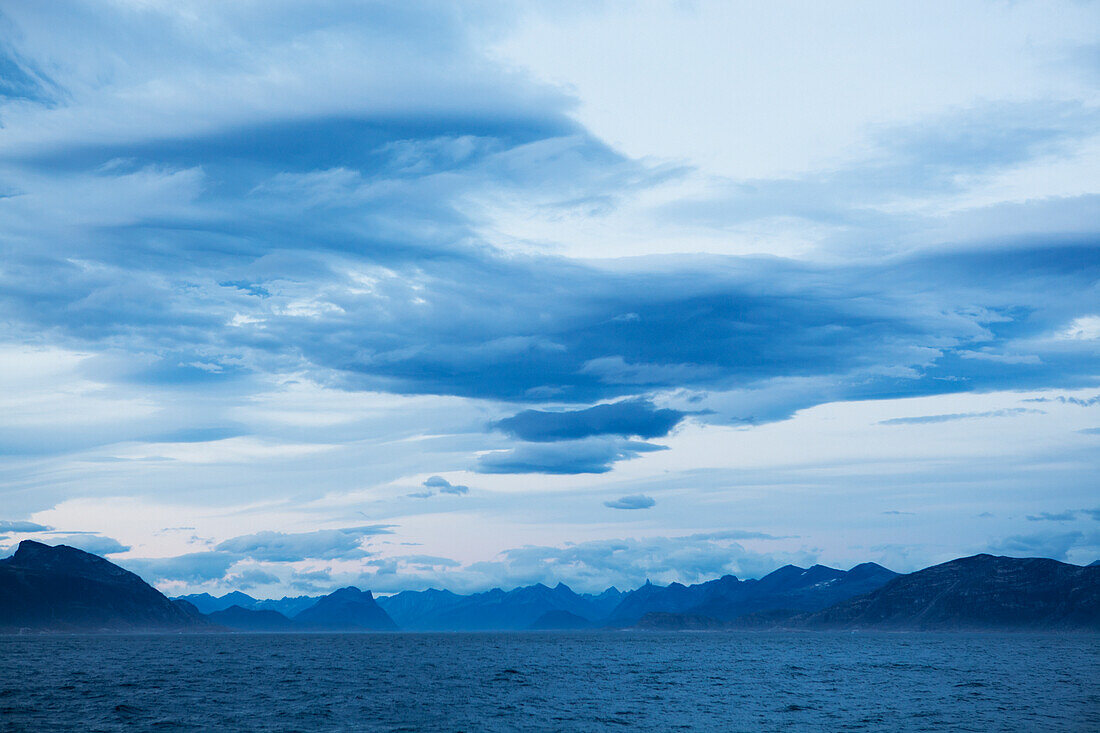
(296, 295)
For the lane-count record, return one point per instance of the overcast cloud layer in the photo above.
(296, 295)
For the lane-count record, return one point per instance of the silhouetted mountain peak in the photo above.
(69, 561)
(239, 599)
(247, 619)
(64, 588)
(868, 567)
(981, 591)
(346, 609)
(783, 574)
(725, 598)
(350, 592)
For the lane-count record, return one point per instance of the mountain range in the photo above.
(724, 599)
(496, 609)
(980, 592)
(60, 588)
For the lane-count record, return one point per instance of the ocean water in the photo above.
(714, 681)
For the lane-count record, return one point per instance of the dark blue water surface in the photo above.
(554, 681)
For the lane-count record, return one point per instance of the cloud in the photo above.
(445, 486)
(1054, 545)
(634, 501)
(923, 419)
(428, 561)
(195, 568)
(733, 534)
(630, 562)
(1078, 401)
(353, 243)
(93, 543)
(936, 156)
(1066, 516)
(17, 525)
(206, 207)
(312, 581)
(324, 544)
(250, 578)
(585, 567)
(627, 418)
(595, 455)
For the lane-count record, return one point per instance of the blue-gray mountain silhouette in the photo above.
(494, 610)
(288, 606)
(346, 609)
(560, 621)
(978, 592)
(62, 588)
(248, 619)
(789, 587)
(207, 603)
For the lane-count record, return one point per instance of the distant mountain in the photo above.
(727, 598)
(979, 592)
(494, 610)
(347, 609)
(207, 603)
(560, 621)
(794, 589)
(188, 609)
(286, 605)
(673, 598)
(247, 619)
(604, 603)
(62, 588)
(421, 610)
(65, 589)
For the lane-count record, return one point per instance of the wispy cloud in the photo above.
(634, 501)
(324, 544)
(1008, 412)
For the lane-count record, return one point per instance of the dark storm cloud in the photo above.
(627, 418)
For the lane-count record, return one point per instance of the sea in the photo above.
(577, 681)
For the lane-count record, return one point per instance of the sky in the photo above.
(298, 295)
